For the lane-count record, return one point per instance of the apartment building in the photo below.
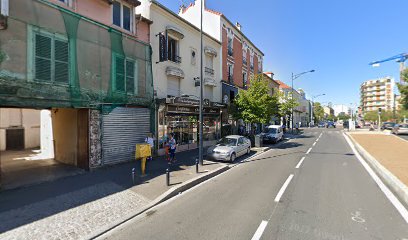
(377, 93)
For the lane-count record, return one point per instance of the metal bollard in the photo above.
(133, 175)
(168, 175)
(196, 165)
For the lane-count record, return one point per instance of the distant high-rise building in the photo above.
(377, 93)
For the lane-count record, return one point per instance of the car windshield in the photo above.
(227, 142)
(271, 130)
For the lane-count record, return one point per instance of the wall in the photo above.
(143, 31)
(64, 122)
(191, 40)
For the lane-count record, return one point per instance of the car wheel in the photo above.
(248, 150)
(232, 158)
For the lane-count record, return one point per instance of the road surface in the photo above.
(304, 189)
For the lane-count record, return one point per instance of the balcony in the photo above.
(209, 71)
(230, 51)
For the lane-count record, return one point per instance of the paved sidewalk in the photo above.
(77, 207)
(389, 150)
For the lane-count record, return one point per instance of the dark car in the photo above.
(330, 125)
(346, 124)
(321, 125)
(388, 125)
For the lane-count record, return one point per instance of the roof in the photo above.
(223, 16)
(269, 78)
(143, 19)
(183, 20)
(282, 85)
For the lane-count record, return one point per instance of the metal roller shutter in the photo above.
(122, 129)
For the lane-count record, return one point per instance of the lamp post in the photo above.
(295, 76)
(313, 98)
(201, 145)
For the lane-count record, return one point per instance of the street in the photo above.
(405, 137)
(311, 187)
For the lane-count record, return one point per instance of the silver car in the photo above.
(229, 148)
(400, 129)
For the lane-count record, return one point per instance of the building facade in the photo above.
(341, 109)
(176, 54)
(377, 93)
(89, 63)
(240, 58)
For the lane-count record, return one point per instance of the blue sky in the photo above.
(338, 38)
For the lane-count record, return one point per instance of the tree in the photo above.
(403, 89)
(371, 116)
(287, 103)
(318, 112)
(331, 117)
(342, 116)
(255, 105)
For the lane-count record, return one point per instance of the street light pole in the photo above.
(201, 145)
(313, 98)
(294, 76)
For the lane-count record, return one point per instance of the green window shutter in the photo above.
(61, 61)
(120, 73)
(43, 47)
(130, 77)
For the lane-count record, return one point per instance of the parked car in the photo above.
(346, 124)
(272, 133)
(321, 125)
(400, 129)
(230, 147)
(330, 125)
(387, 125)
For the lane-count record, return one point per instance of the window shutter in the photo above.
(61, 61)
(120, 73)
(162, 47)
(42, 58)
(130, 77)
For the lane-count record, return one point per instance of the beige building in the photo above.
(377, 93)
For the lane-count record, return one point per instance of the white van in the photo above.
(272, 133)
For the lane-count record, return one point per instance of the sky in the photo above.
(337, 38)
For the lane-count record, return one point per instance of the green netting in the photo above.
(53, 57)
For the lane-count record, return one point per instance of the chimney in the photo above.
(238, 26)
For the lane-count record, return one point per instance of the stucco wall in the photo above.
(191, 40)
(64, 122)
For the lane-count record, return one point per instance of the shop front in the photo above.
(180, 116)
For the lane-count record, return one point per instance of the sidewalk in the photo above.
(81, 206)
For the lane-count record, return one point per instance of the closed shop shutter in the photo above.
(122, 129)
(173, 86)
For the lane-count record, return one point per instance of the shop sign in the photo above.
(186, 101)
(218, 105)
(191, 110)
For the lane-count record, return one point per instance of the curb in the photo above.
(172, 192)
(399, 188)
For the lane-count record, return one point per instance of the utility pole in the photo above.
(201, 145)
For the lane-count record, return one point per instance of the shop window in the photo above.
(51, 58)
(122, 15)
(125, 77)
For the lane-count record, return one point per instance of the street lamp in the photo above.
(313, 98)
(295, 76)
(201, 145)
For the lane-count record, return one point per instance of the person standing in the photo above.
(172, 146)
(149, 140)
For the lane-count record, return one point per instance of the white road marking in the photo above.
(391, 197)
(308, 151)
(259, 231)
(283, 188)
(300, 162)
(314, 144)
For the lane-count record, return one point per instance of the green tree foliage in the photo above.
(342, 116)
(403, 89)
(318, 112)
(331, 117)
(287, 103)
(255, 105)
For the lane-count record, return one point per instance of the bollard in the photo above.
(196, 165)
(133, 175)
(168, 175)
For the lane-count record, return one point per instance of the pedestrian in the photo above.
(172, 148)
(149, 140)
(297, 127)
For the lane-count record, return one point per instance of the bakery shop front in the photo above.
(179, 115)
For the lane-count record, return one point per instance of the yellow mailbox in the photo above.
(143, 151)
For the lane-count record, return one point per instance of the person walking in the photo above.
(172, 148)
(297, 127)
(149, 140)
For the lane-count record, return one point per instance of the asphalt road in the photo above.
(403, 136)
(329, 196)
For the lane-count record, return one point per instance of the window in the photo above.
(244, 79)
(193, 56)
(67, 2)
(230, 73)
(122, 15)
(125, 80)
(172, 53)
(230, 45)
(51, 58)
